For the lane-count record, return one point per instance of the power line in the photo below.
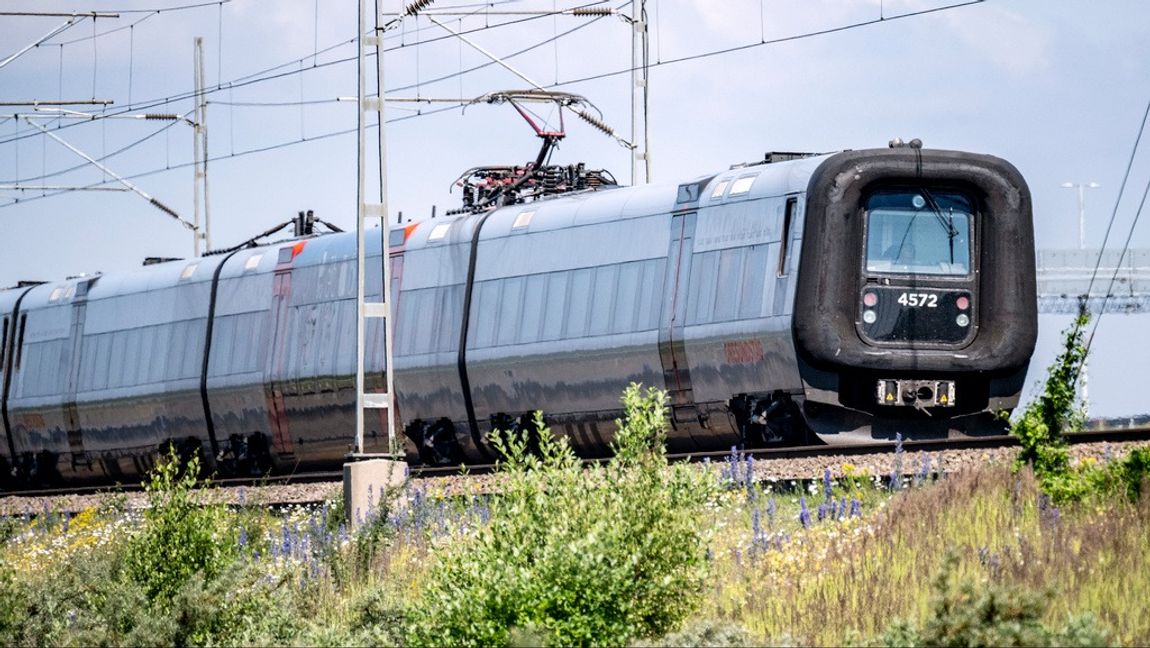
(104, 33)
(1121, 193)
(1121, 257)
(775, 41)
(103, 158)
(481, 66)
(627, 70)
(255, 77)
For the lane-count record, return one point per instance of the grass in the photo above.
(830, 562)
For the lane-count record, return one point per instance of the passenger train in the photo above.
(850, 296)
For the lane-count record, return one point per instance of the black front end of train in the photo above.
(915, 309)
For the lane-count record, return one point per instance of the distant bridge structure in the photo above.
(1064, 278)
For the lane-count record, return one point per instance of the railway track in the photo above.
(1097, 435)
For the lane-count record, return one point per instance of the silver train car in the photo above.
(849, 296)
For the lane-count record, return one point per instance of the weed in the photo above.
(180, 536)
(573, 556)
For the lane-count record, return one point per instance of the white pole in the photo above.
(1081, 217)
(359, 233)
(197, 152)
(385, 297)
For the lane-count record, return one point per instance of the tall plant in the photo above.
(180, 536)
(1057, 411)
(575, 556)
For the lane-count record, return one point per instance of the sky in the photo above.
(1058, 88)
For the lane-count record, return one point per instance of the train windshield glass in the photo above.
(918, 232)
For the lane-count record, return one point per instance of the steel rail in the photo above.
(1100, 435)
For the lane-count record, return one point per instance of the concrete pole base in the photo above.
(371, 486)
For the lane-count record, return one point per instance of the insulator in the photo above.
(592, 11)
(594, 121)
(163, 116)
(416, 7)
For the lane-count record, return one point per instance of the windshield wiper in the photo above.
(945, 222)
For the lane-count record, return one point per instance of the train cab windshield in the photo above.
(918, 231)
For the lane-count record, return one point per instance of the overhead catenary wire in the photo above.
(1110, 226)
(627, 70)
(266, 73)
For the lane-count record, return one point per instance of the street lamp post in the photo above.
(1083, 380)
(1081, 186)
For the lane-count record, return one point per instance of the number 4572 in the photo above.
(916, 300)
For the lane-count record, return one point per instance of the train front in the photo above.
(915, 309)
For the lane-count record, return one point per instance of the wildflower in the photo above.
(242, 539)
(804, 513)
(856, 508)
(771, 508)
(827, 483)
(731, 473)
(924, 471)
(849, 470)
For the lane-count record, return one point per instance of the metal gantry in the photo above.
(376, 211)
(1120, 285)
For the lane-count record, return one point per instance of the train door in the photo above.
(672, 353)
(73, 355)
(274, 376)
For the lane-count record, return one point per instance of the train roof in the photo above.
(571, 210)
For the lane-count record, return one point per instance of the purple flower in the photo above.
(822, 512)
(827, 483)
(856, 508)
(896, 473)
(804, 512)
(925, 470)
(732, 471)
(749, 477)
(771, 508)
(242, 540)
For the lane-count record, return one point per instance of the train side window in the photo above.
(719, 189)
(743, 185)
(20, 340)
(253, 262)
(785, 240)
(3, 345)
(523, 219)
(438, 232)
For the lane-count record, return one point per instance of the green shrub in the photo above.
(571, 556)
(1043, 424)
(13, 604)
(705, 634)
(243, 606)
(88, 601)
(968, 613)
(180, 535)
